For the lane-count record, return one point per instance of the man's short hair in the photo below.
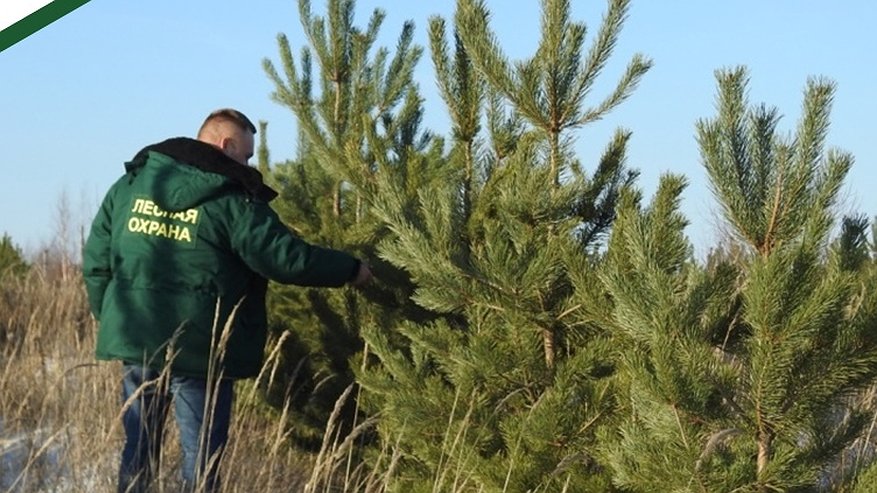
(229, 115)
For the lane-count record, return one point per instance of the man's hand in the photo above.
(363, 275)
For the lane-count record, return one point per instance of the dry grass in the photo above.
(59, 409)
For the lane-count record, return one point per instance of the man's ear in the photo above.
(226, 143)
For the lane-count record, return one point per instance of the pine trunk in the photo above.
(548, 346)
(336, 200)
(765, 440)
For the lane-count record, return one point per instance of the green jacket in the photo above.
(180, 240)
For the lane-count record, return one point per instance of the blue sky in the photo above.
(82, 95)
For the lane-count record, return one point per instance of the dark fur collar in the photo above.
(208, 158)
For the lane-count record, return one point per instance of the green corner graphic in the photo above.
(37, 20)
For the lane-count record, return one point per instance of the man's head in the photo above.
(230, 131)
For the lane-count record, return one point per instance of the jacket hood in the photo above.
(185, 172)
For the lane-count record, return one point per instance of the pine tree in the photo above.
(738, 376)
(506, 391)
(549, 89)
(359, 118)
(852, 247)
(11, 258)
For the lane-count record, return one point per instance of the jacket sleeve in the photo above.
(269, 248)
(96, 260)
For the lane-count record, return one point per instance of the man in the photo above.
(176, 268)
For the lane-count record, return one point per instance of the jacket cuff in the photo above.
(356, 264)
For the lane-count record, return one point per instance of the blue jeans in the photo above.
(144, 418)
